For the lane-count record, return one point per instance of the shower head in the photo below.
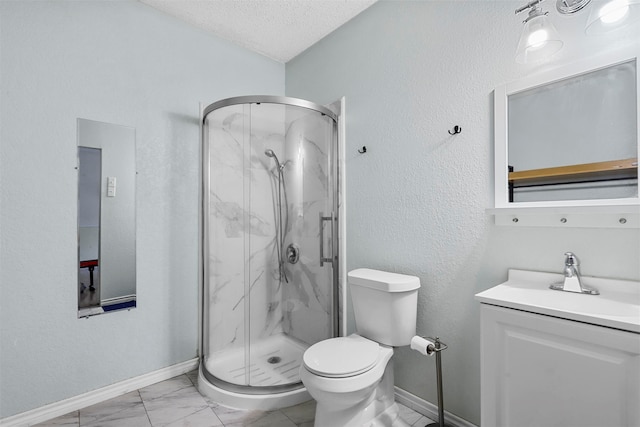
(269, 153)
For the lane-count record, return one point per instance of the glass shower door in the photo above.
(224, 223)
(290, 292)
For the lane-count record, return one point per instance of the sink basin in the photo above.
(617, 306)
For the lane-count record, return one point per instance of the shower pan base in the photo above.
(275, 362)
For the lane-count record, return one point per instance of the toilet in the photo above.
(351, 378)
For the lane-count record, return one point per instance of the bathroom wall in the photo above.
(118, 62)
(416, 200)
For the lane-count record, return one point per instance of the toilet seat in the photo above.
(341, 357)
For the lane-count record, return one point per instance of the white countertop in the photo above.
(617, 306)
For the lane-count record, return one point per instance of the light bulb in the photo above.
(614, 11)
(537, 38)
(609, 15)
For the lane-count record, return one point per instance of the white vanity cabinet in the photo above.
(545, 371)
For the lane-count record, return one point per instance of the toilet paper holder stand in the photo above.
(437, 347)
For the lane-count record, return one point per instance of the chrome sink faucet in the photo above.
(572, 281)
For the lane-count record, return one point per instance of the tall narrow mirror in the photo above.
(106, 218)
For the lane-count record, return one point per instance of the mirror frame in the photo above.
(501, 153)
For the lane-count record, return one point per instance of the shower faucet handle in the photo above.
(293, 253)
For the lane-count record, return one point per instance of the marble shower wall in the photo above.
(242, 243)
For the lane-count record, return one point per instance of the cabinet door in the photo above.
(543, 371)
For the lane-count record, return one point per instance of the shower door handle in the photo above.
(323, 259)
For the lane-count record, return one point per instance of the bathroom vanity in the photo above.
(554, 358)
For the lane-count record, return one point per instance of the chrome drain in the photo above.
(274, 359)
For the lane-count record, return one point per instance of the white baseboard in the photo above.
(428, 409)
(56, 409)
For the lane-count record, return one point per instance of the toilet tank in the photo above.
(384, 305)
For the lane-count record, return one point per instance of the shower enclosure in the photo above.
(269, 246)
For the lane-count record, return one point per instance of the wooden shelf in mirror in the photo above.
(599, 171)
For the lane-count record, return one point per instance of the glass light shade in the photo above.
(539, 40)
(612, 14)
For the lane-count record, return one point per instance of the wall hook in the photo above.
(363, 150)
(456, 129)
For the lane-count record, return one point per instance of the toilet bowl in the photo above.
(351, 378)
(352, 382)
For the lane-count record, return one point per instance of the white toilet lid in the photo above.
(341, 357)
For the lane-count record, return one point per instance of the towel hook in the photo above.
(456, 130)
(363, 150)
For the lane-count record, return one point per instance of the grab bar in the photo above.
(323, 259)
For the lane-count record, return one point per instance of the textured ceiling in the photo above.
(279, 29)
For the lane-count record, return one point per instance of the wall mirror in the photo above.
(106, 218)
(569, 137)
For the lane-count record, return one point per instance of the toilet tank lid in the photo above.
(383, 280)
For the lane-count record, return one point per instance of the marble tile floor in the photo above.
(177, 403)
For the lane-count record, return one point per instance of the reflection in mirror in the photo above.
(106, 218)
(89, 177)
(569, 136)
(575, 139)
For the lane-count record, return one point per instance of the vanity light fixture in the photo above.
(612, 14)
(539, 39)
